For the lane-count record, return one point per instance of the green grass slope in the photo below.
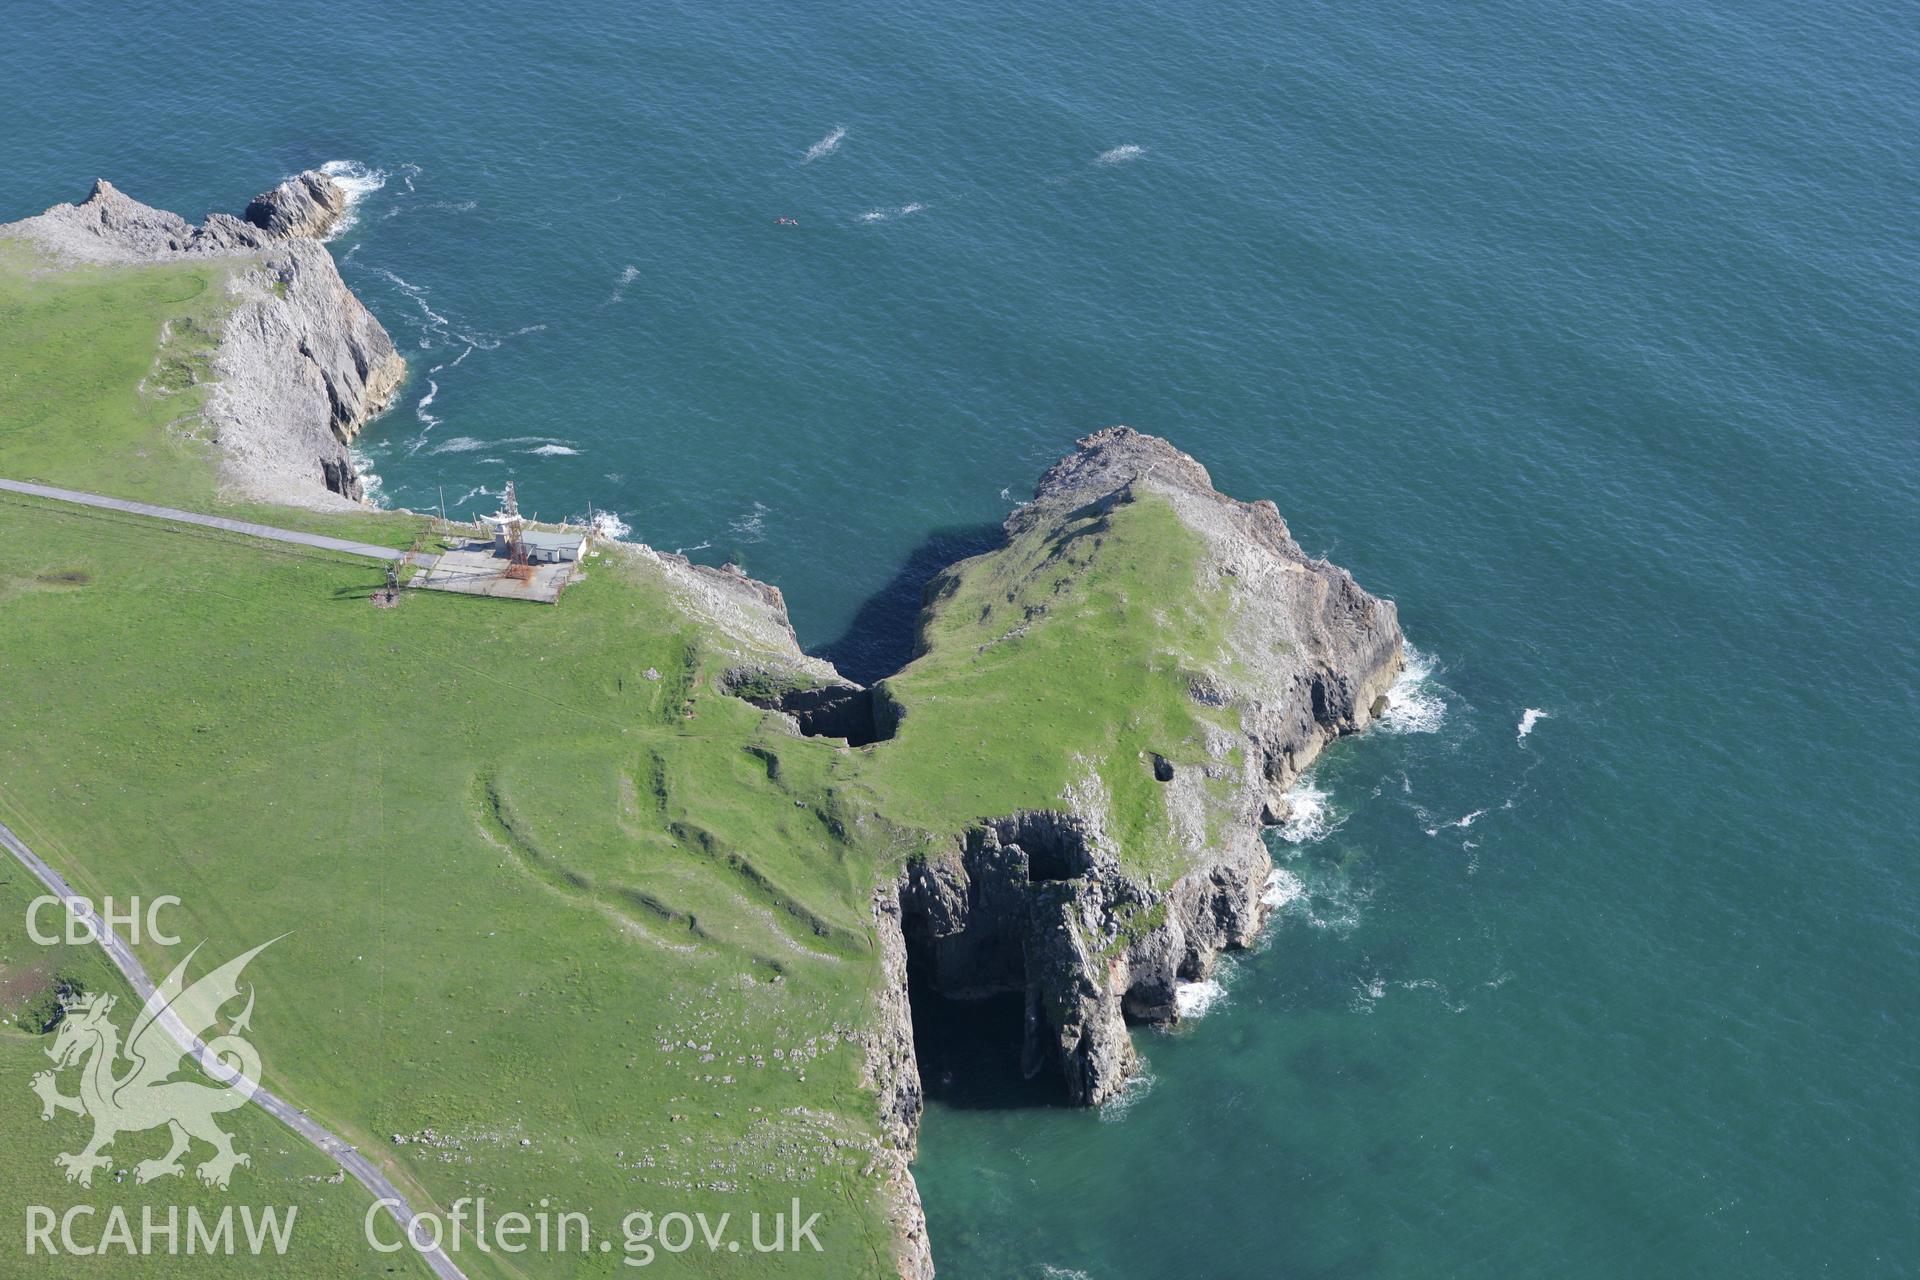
(577, 929)
(1053, 671)
(565, 941)
(326, 1239)
(104, 372)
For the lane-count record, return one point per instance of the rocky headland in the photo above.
(301, 366)
(1045, 902)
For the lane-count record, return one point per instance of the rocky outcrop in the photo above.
(302, 364)
(1040, 903)
(747, 618)
(306, 206)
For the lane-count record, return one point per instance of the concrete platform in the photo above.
(474, 569)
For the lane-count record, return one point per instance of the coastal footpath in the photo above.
(689, 879)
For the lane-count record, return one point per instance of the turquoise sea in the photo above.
(1586, 332)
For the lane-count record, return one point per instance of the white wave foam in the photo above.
(882, 215)
(372, 488)
(1051, 1272)
(1529, 718)
(1137, 1087)
(1120, 155)
(1415, 703)
(752, 525)
(1309, 816)
(826, 146)
(358, 182)
(435, 324)
(627, 276)
(1193, 999)
(608, 525)
(1282, 887)
(467, 444)
(553, 451)
(1461, 822)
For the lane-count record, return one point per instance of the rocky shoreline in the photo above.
(1039, 902)
(302, 365)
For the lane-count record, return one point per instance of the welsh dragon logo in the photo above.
(143, 1094)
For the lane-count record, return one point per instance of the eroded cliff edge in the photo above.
(302, 365)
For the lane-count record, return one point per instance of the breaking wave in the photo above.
(358, 181)
(1414, 702)
(608, 525)
(826, 146)
(1309, 814)
(1193, 999)
(1282, 888)
(1529, 718)
(1120, 155)
(372, 488)
(554, 451)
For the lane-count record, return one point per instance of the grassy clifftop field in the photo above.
(565, 922)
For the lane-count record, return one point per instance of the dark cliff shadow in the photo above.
(879, 640)
(969, 1053)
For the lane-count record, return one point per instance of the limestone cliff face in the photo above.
(1039, 903)
(303, 365)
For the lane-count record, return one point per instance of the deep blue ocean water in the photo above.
(1587, 333)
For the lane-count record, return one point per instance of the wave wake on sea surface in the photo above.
(826, 146)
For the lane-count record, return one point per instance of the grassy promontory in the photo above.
(567, 923)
